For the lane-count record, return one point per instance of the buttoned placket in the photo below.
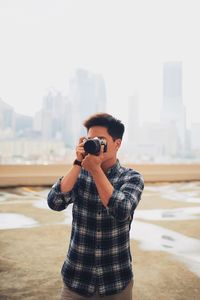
(98, 243)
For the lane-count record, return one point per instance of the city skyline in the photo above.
(55, 129)
(48, 41)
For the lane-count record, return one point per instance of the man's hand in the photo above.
(80, 152)
(92, 163)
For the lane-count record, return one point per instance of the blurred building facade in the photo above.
(87, 95)
(173, 112)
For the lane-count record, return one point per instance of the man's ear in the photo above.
(118, 143)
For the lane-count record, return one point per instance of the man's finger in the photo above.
(102, 151)
(81, 140)
(81, 151)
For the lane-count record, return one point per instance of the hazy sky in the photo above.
(44, 41)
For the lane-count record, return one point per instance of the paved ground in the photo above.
(165, 244)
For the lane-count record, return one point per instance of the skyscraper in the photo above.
(53, 116)
(133, 124)
(173, 110)
(87, 94)
(7, 116)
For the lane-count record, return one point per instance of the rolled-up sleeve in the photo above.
(58, 200)
(125, 199)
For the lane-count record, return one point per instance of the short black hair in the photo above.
(114, 126)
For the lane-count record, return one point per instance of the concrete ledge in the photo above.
(168, 172)
(45, 175)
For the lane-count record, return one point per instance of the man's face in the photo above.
(112, 146)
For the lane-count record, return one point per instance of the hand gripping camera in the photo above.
(93, 146)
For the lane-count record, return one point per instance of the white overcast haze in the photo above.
(44, 41)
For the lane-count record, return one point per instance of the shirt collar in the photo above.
(114, 168)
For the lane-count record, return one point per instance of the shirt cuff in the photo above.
(57, 187)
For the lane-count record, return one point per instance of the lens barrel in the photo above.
(92, 146)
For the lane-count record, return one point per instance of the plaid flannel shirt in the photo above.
(99, 251)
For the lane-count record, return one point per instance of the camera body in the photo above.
(93, 146)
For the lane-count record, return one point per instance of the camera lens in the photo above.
(92, 146)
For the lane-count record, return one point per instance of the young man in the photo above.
(104, 196)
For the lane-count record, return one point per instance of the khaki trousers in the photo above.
(126, 294)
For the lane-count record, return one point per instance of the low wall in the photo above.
(21, 175)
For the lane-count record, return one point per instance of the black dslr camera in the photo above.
(93, 146)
